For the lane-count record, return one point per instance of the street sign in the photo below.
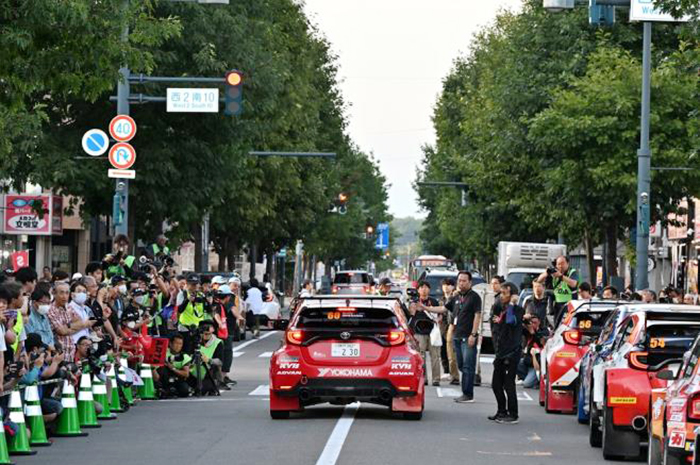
(382, 236)
(95, 142)
(192, 100)
(122, 156)
(645, 10)
(122, 128)
(121, 174)
(282, 253)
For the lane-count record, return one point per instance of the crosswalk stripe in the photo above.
(265, 355)
(522, 395)
(448, 392)
(237, 354)
(262, 390)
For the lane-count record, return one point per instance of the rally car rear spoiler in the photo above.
(679, 316)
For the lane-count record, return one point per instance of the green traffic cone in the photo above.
(35, 417)
(115, 404)
(148, 390)
(86, 403)
(19, 443)
(128, 393)
(68, 421)
(4, 454)
(99, 392)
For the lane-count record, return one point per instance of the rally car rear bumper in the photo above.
(326, 390)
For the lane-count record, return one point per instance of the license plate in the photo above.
(345, 350)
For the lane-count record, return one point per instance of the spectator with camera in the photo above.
(119, 262)
(447, 328)
(225, 312)
(173, 377)
(211, 351)
(38, 321)
(48, 368)
(564, 281)
(424, 323)
(534, 338)
(507, 319)
(191, 311)
(106, 322)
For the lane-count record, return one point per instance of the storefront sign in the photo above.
(679, 232)
(37, 215)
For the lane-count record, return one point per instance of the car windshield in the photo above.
(351, 278)
(335, 318)
(664, 341)
(522, 279)
(590, 323)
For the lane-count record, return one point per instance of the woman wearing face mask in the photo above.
(79, 296)
(38, 316)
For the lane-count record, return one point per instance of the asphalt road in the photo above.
(236, 429)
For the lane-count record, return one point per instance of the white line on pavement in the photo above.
(237, 354)
(488, 359)
(216, 399)
(330, 453)
(265, 355)
(247, 343)
(448, 392)
(522, 395)
(521, 454)
(262, 390)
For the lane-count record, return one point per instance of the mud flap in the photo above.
(283, 403)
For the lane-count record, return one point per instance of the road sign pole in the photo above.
(644, 169)
(122, 185)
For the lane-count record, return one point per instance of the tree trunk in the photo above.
(231, 257)
(253, 260)
(611, 240)
(223, 255)
(590, 256)
(197, 237)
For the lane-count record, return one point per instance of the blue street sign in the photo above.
(95, 142)
(382, 236)
(282, 253)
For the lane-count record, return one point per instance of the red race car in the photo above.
(561, 356)
(675, 411)
(342, 350)
(647, 342)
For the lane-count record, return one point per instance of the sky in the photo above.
(393, 55)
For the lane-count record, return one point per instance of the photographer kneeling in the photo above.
(534, 337)
(209, 373)
(172, 378)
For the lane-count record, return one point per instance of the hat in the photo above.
(224, 290)
(385, 282)
(235, 280)
(116, 279)
(34, 340)
(192, 278)
(76, 276)
(218, 280)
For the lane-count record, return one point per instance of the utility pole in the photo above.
(122, 185)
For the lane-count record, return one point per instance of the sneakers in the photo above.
(496, 416)
(519, 382)
(455, 382)
(464, 400)
(436, 383)
(507, 420)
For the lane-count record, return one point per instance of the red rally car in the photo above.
(675, 412)
(647, 342)
(346, 349)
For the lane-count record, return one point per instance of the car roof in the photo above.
(440, 272)
(595, 305)
(378, 301)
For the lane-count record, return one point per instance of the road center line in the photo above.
(247, 343)
(331, 452)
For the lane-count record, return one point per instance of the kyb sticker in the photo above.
(401, 366)
(345, 372)
(289, 366)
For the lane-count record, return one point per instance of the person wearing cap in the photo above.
(119, 262)
(159, 248)
(384, 287)
(190, 305)
(222, 300)
(217, 281)
(236, 326)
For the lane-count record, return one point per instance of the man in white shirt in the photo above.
(255, 305)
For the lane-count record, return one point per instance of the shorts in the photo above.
(49, 406)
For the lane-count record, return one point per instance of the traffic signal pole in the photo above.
(644, 169)
(122, 185)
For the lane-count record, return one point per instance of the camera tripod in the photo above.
(199, 364)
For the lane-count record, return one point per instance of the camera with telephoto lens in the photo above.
(99, 321)
(12, 371)
(552, 269)
(176, 358)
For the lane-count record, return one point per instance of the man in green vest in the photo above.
(119, 262)
(211, 349)
(159, 247)
(564, 280)
(190, 307)
(173, 376)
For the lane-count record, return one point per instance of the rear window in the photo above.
(343, 318)
(589, 323)
(351, 278)
(664, 342)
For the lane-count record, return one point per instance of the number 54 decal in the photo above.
(657, 343)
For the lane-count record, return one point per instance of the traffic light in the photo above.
(601, 15)
(117, 209)
(369, 229)
(233, 93)
(342, 203)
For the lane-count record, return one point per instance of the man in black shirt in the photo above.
(539, 303)
(507, 319)
(466, 308)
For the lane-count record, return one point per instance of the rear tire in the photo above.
(546, 395)
(609, 440)
(670, 459)
(279, 414)
(595, 436)
(654, 456)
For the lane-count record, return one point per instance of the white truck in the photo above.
(522, 262)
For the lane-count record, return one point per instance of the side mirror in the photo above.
(666, 375)
(280, 325)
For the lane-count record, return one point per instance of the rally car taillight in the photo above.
(572, 337)
(295, 336)
(638, 360)
(694, 408)
(396, 338)
(334, 289)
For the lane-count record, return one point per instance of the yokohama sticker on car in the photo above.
(345, 373)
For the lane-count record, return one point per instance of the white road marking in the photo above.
(488, 359)
(448, 392)
(237, 354)
(534, 437)
(517, 454)
(247, 343)
(262, 390)
(522, 395)
(265, 355)
(330, 453)
(214, 399)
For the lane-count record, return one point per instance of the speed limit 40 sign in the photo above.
(122, 128)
